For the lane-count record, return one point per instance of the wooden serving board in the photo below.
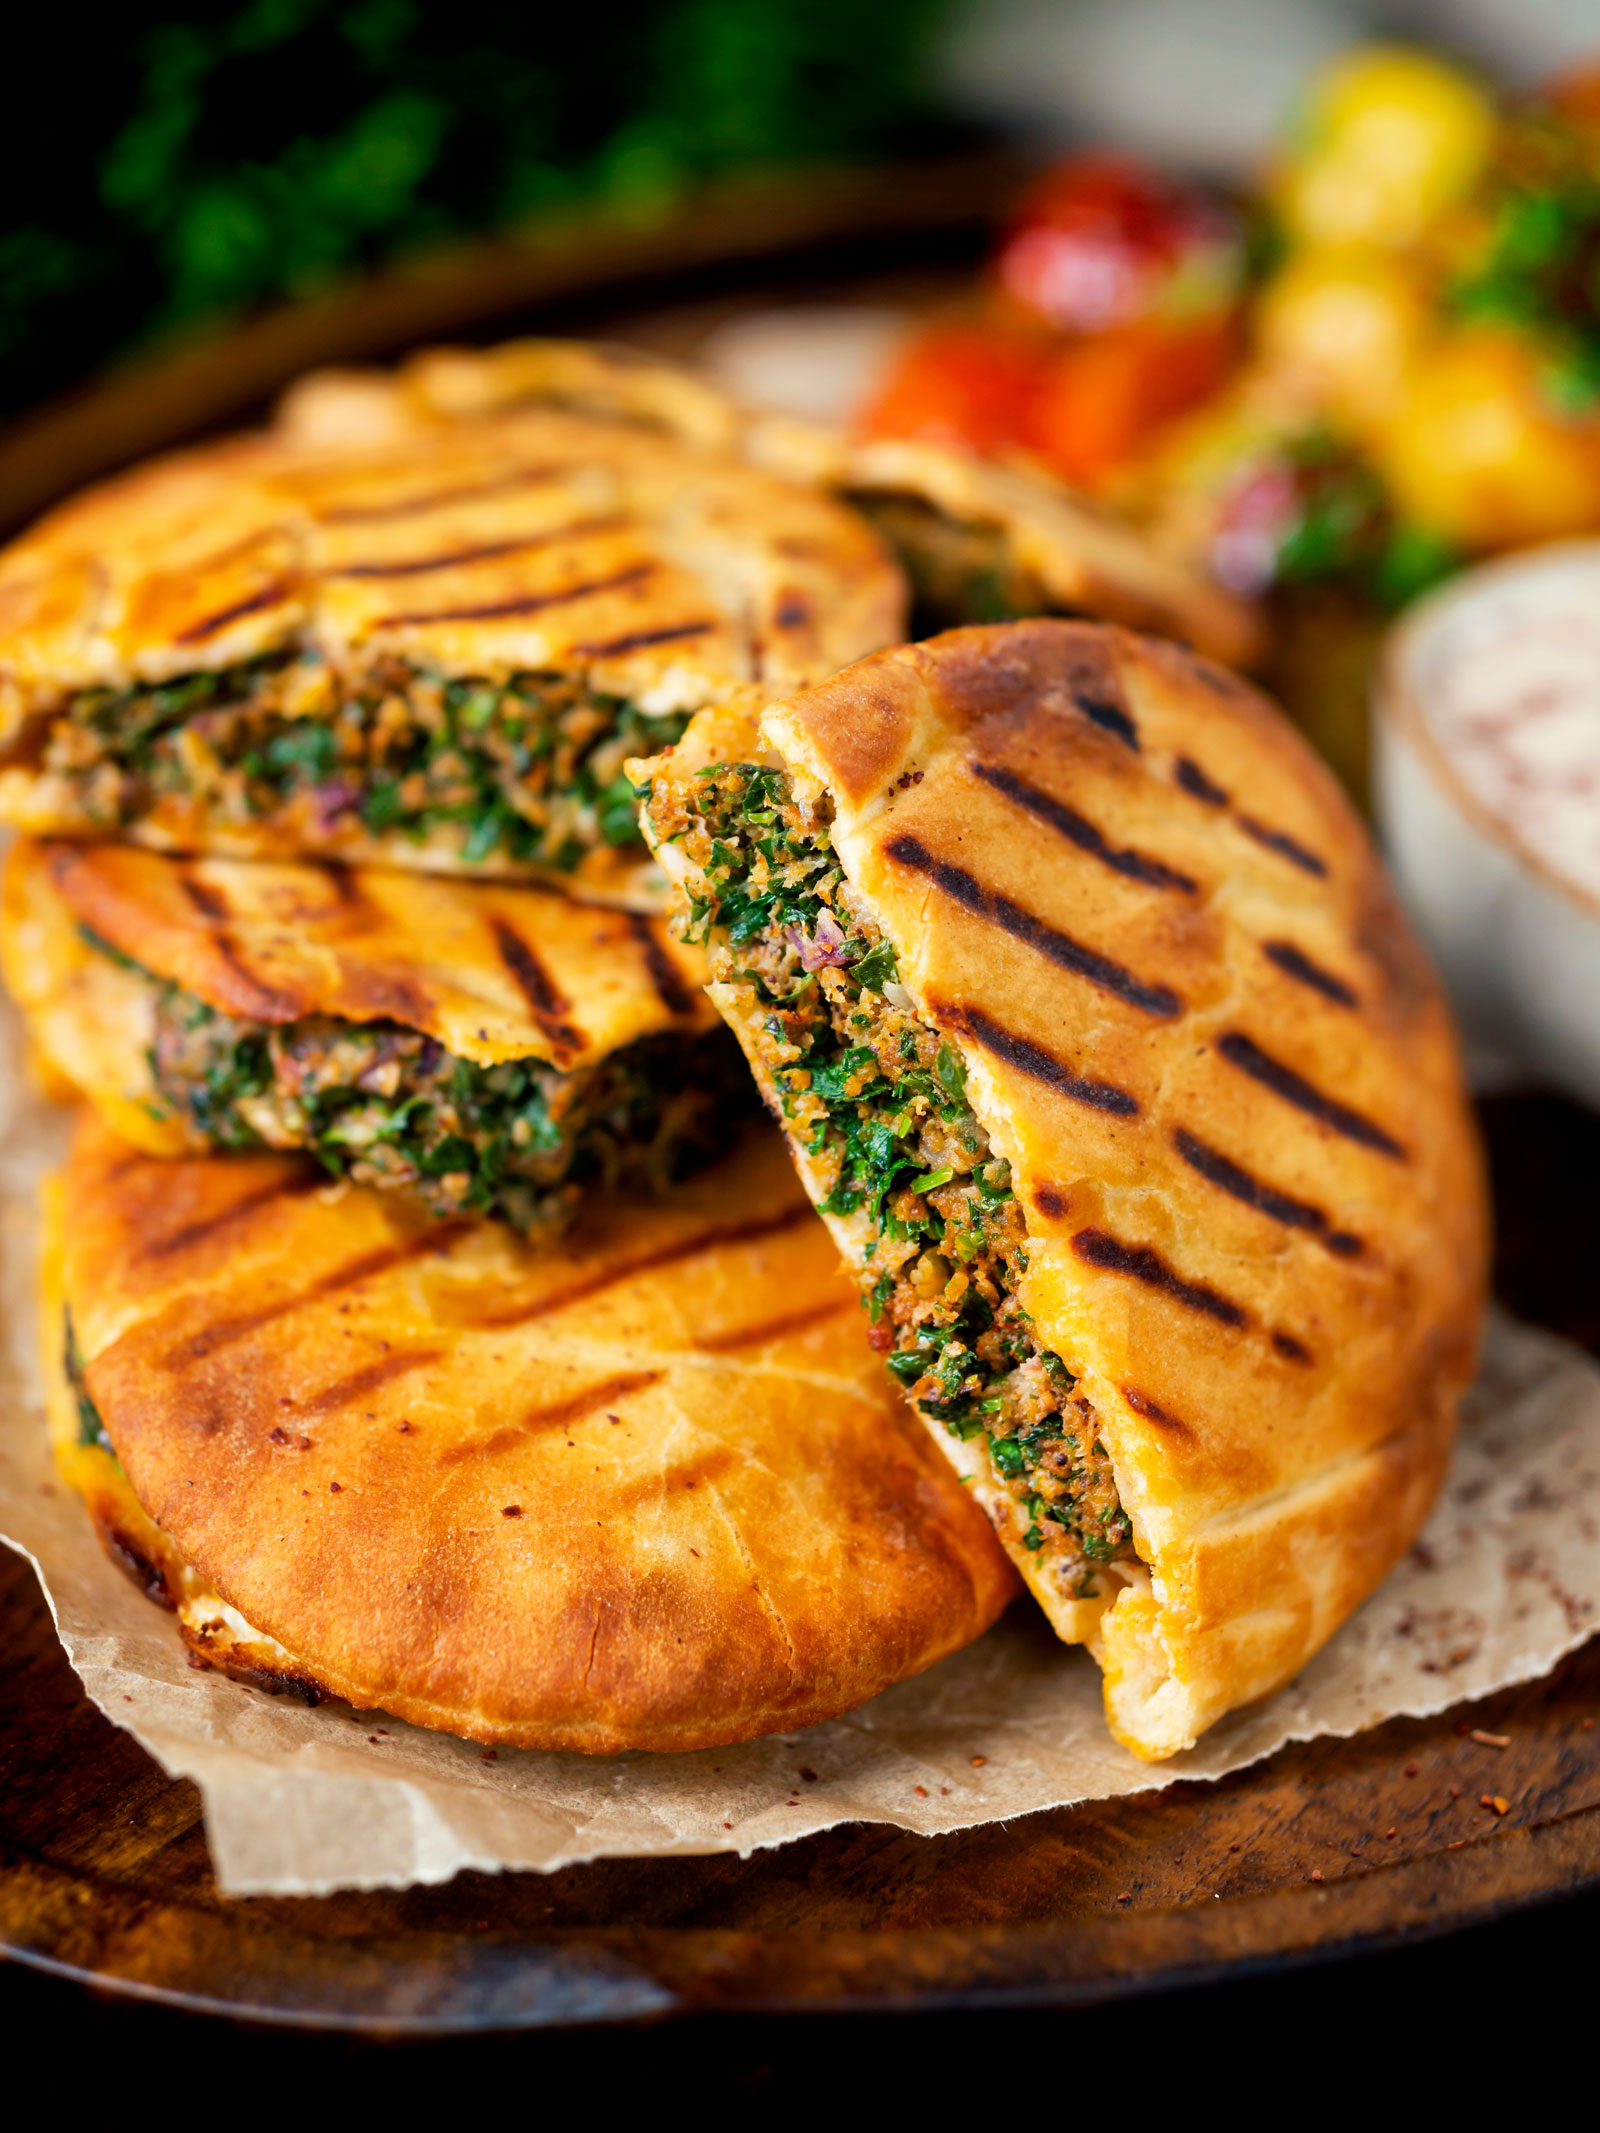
(1329, 1846)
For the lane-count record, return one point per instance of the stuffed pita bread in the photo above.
(649, 1492)
(435, 651)
(489, 1047)
(1105, 1051)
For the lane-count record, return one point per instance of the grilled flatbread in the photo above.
(489, 1047)
(434, 650)
(979, 542)
(646, 1493)
(1127, 1093)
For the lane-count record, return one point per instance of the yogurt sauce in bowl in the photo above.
(1488, 793)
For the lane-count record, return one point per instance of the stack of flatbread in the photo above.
(449, 817)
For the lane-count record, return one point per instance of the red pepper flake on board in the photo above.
(1496, 1802)
(488, 1755)
(921, 1791)
(1489, 1740)
(1126, 1896)
(978, 1761)
(1316, 1873)
(1412, 1769)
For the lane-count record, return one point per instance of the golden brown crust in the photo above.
(649, 1492)
(1200, 1030)
(492, 971)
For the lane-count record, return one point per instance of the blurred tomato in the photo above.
(1347, 326)
(1101, 242)
(1100, 399)
(1477, 453)
(966, 385)
(1388, 141)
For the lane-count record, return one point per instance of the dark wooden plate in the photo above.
(1330, 1846)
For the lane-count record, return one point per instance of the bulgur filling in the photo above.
(386, 1105)
(877, 1097)
(528, 769)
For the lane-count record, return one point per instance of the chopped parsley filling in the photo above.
(527, 769)
(385, 1105)
(959, 571)
(877, 1098)
(91, 1430)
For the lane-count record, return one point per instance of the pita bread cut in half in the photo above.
(435, 650)
(488, 1047)
(647, 1492)
(1104, 1049)
(979, 541)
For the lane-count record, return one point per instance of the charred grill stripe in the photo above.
(1219, 1170)
(487, 552)
(772, 1329)
(266, 1003)
(1292, 1350)
(1138, 1261)
(302, 1178)
(209, 902)
(663, 972)
(1283, 844)
(359, 1383)
(224, 1332)
(707, 1240)
(1195, 782)
(526, 603)
(1059, 948)
(1030, 1059)
(1249, 1058)
(269, 596)
(546, 1003)
(1078, 830)
(641, 640)
(1109, 717)
(1142, 1404)
(433, 500)
(1295, 963)
(560, 1414)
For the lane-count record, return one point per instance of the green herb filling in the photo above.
(877, 1097)
(528, 769)
(385, 1105)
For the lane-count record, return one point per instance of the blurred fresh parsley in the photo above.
(162, 169)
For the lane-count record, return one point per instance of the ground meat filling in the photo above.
(528, 769)
(878, 1098)
(959, 571)
(384, 1105)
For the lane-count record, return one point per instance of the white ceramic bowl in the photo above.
(1487, 787)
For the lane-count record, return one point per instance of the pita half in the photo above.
(979, 541)
(647, 1492)
(433, 649)
(492, 1048)
(1103, 1047)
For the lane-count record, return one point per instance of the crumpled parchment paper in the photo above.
(297, 1802)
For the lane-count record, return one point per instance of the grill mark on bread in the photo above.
(1295, 963)
(772, 1329)
(1095, 1248)
(663, 973)
(485, 552)
(1244, 1053)
(360, 1382)
(1292, 1350)
(525, 603)
(546, 1003)
(1109, 716)
(267, 1004)
(1031, 1059)
(1078, 830)
(1283, 844)
(1220, 1170)
(302, 1179)
(1059, 948)
(1142, 1404)
(209, 902)
(432, 500)
(691, 1473)
(650, 1262)
(560, 1414)
(641, 640)
(269, 596)
(1195, 782)
(223, 1332)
